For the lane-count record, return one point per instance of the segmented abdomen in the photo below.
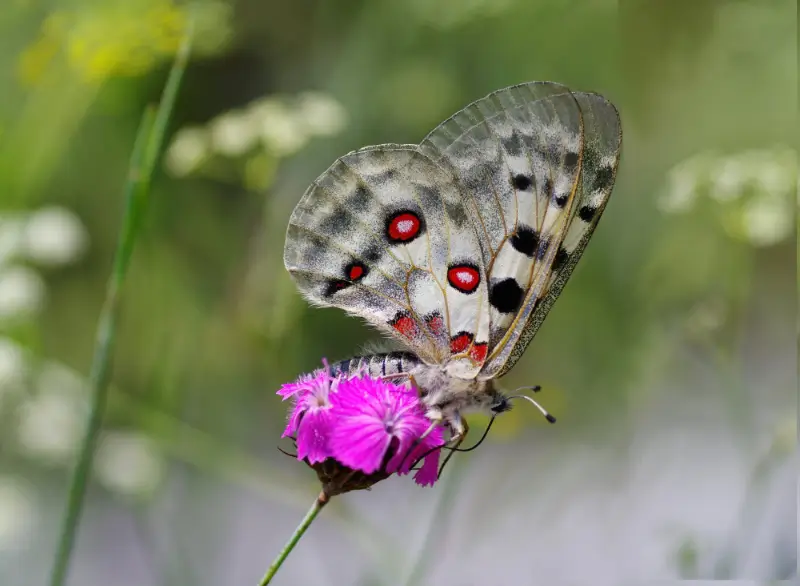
(378, 364)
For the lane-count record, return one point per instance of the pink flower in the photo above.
(356, 430)
(379, 426)
(310, 419)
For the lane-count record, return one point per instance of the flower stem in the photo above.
(149, 140)
(312, 513)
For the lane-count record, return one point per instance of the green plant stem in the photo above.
(439, 521)
(147, 146)
(312, 513)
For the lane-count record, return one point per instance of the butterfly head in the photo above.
(500, 403)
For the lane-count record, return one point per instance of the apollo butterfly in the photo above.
(458, 246)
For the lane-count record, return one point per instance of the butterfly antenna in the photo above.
(535, 389)
(417, 442)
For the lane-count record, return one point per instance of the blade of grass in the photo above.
(147, 147)
(439, 522)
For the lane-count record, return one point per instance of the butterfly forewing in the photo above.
(527, 158)
(602, 141)
(384, 234)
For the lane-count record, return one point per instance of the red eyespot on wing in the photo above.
(404, 324)
(356, 271)
(464, 277)
(435, 323)
(478, 352)
(403, 227)
(460, 342)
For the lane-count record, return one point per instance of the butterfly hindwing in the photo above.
(536, 164)
(385, 235)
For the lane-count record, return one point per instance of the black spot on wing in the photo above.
(560, 200)
(521, 182)
(506, 295)
(334, 286)
(561, 258)
(603, 178)
(525, 240)
(586, 213)
(570, 163)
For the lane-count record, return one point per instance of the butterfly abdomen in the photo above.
(378, 365)
(444, 396)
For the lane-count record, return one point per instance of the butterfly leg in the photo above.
(410, 379)
(459, 428)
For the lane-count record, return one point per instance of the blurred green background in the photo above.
(670, 359)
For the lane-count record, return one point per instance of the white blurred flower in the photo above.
(321, 114)
(54, 377)
(17, 513)
(680, 193)
(50, 425)
(755, 188)
(22, 292)
(12, 237)
(777, 178)
(281, 131)
(54, 236)
(129, 463)
(684, 182)
(12, 367)
(728, 180)
(188, 150)
(767, 220)
(233, 133)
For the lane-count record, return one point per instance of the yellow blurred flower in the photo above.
(125, 38)
(119, 41)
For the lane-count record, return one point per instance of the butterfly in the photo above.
(458, 246)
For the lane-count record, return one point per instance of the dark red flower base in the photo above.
(339, 479)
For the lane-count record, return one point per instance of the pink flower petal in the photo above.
(428, 474)
(313, 436)
(359, 443)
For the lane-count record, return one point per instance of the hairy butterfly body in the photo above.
(457, 247)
